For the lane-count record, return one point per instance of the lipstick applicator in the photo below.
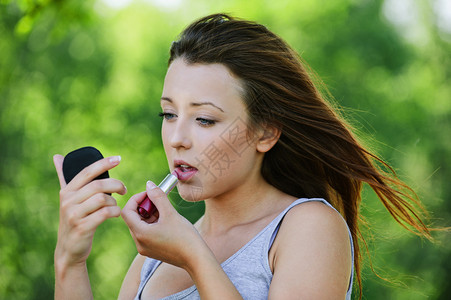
(146, 208)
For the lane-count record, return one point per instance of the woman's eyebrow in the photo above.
(206, 103)
(195, 103)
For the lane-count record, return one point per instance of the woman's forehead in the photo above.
(206, 82)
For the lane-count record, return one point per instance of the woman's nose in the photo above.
(180, 137)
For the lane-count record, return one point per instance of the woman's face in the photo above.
(204, 130)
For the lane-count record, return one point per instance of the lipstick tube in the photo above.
(146, 208)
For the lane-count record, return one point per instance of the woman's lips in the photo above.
(185, 172)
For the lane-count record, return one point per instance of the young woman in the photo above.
(246, 131)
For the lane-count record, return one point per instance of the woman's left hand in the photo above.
(169, 237)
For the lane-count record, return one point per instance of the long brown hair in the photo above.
(317, 154)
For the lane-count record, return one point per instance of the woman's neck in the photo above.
(246, 204)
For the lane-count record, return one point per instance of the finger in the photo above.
(92, 221)
(89, 173)
(107, 186)
(154, 217)
(95, 203)
(131, 207)
(58, 162)
(159, 199)
(130, 211)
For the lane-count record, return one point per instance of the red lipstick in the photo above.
(146, 208)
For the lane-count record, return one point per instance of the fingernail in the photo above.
(151, 185)
(115, 160)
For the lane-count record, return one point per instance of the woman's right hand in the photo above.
(84, 205)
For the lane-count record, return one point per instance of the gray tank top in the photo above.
(248, 268)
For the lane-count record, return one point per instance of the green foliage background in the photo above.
(76, 73)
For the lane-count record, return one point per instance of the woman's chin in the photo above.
(191, 193)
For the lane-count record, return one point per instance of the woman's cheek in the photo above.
(224, 151)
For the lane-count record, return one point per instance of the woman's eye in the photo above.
(167, 116)
(205, 122)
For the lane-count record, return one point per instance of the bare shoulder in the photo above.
(315, 216)
(311, 255)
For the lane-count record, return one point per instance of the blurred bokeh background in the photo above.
(77, 73)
